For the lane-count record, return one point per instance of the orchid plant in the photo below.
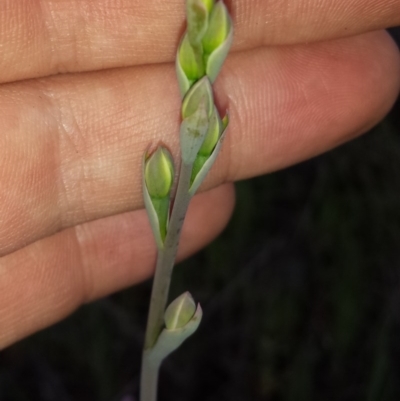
(199, 58)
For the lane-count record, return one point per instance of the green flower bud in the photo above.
(158, 177)
(192, 133)
(197, 20)
(197, 107)
(200, 92)
(218, 28)
(159, 173)
(189, 63)
(180, 312)
(213, 133)
(203, 162)
(211, 139)
(217, 41)
(182, 319)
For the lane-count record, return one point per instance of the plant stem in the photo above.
(149, 378)
(162, 279)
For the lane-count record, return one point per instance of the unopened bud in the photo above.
(197, 20)
(207, 155)
(218, 28)
(180, 312)
(159, 173)
(213, 133)
(211, 139)
(199, 94)
(158, 177)
(217, 40)
(189, 63)
(182, 319)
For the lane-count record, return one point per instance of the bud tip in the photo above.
(180, 312)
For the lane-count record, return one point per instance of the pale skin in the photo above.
(72, 224)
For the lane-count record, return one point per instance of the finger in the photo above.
(277, 22)
(39, 38)
(47, 280)
(73, 145)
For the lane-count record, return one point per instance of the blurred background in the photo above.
(301, 296)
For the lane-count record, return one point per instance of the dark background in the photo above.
(301, 296)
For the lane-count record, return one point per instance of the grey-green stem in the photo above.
(161, 283)
(149, 378)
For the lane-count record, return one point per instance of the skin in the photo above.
(86, 85)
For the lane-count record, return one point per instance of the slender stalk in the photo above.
(148, 379)
(162, 279)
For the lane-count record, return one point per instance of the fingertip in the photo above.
(303, 100)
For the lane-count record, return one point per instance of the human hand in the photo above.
(72, 228)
